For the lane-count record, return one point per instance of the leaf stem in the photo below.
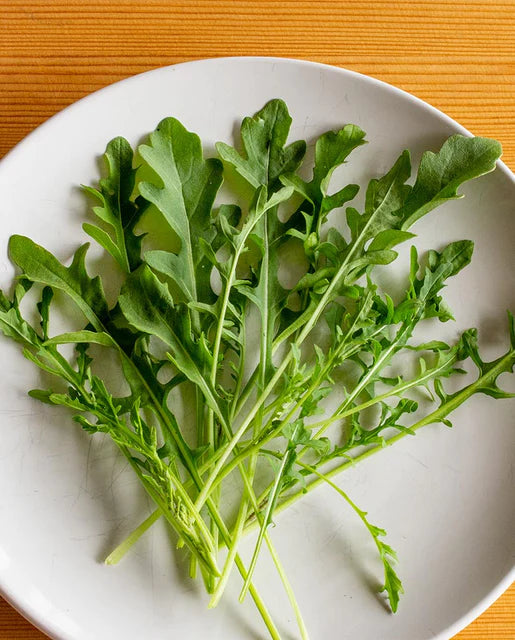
(117, 554)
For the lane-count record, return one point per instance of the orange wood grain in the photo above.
(458, 55)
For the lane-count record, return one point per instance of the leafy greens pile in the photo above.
(210, 317)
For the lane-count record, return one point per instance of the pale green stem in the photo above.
(117, 554)
(274, 380)
(233, 548)
(248, 477)
(275, 488)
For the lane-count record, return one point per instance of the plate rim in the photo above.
(16, 600)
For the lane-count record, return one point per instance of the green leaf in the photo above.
(383, 198)
(441, 266)
(488, 372)
(14, 326)
(392, 583)
(117, 209)
(43, 395)
(185, 195)
(102, 238)
(389, 238)
(338, 199)
(331, 151)
(84, 336)
(263, 138)
(440, 174)
(39, 265)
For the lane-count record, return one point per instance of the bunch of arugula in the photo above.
(333, 323)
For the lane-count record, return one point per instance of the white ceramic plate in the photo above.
(445, 497)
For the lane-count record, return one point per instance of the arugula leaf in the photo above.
(14, 326)
(392, 584)
(39, 265)
(117, 209)
(263, 137)
(331, 151)
(488, 372)
(185, 198)
(440, 174)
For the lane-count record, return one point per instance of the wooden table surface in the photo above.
(459, 55)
